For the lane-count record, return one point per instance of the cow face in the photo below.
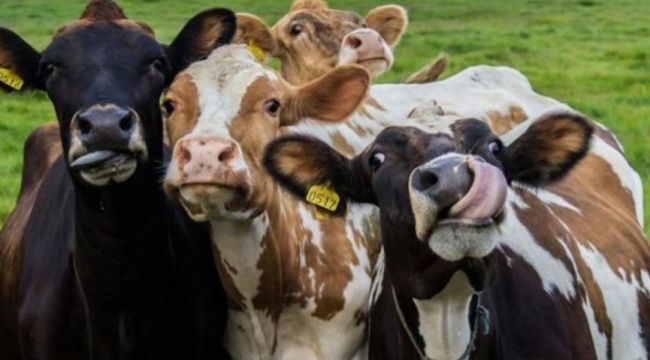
(224, 110)
(441, 196)
(104, 75)
(312, 38)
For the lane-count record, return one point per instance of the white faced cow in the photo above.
(541, 235)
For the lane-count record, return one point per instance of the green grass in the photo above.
(592, 54)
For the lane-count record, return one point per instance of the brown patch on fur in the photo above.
(251, 28)
(431, 72)
(341, 144)
(606, 214)
(502, 123)
(235, 298)
(102, 10)
(183, 94)
(308, 5)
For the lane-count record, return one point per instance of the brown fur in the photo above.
(182, 95)
(431, 72)
(251, 28)
(502, 123)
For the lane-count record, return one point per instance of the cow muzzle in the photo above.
(455, 198)
(208, 175)
(106, 144)
(367, 48)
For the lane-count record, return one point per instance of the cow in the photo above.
(524, 247)
(223, 110)
(107, 266)
(313, 38)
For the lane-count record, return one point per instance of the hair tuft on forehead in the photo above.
(102, 10)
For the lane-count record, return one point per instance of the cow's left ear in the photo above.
(548, 149)
(253, 32)
(389, 21)
(19, 63)
(203, 33)
(332, 97)
(299, 162)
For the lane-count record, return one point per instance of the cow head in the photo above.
(312, 38)
(224, 110)
(104, 75)
(441, 196)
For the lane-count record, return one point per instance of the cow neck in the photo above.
(443, 321)
(120, 250)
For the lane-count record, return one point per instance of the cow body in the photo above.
(525, 231)
(216, 163)
(106, 267)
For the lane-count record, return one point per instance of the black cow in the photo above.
(107, 268)
(530, 251)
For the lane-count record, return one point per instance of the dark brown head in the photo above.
(441, 196)
(104, 75)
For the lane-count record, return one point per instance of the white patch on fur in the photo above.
(630, 179)
(550, 198)
(552, 272)
(378, 278)
(443, 319)
(621, 302)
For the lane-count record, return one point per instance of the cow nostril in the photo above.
(127, 122)
(185, 155)
(354, 42)
(225, 155)
(428, 179)
(84, 126)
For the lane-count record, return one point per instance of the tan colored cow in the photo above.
(313, 38)
(295, 274)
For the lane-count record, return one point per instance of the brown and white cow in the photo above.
(312, 38)
(540, 234)
(297, 284)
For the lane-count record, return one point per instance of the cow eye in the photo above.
(272, 107)
(169, 106)
(159, 64)
(494, 147)
(375, 160)
(295, 29)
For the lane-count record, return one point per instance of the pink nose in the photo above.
(204, 159)
(366, 42)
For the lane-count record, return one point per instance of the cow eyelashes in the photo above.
(494, 147)
(375, 160)
(272, 107)
(168, 105)
(295, 29)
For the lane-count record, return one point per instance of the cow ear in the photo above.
(548, 149)
(389, 21)
(19, 63)
(203, 33)
(308, 5)
(332, 97)
(298, 162)
(252, 31)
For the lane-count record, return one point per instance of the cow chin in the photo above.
(213, 202)
(456, 241)
(375, 66)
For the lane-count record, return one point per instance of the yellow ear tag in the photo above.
(11, 78)
(323, 196)
(256, 50)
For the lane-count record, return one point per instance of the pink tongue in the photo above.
(485, 198)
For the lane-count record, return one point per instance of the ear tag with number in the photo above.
(255, 50)
(323, 196)
(10, 78)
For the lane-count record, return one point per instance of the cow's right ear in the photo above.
(253, 32)
(389, 21)
(203, 33)
(19, 63)
(300, 162)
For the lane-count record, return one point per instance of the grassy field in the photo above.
(593, 55)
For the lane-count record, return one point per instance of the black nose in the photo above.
(105, 126)
(445, 180)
